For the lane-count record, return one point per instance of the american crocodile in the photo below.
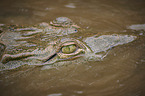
(45, 44)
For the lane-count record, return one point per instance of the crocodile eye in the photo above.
(69, 49)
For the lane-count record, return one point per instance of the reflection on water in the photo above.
(120, 73)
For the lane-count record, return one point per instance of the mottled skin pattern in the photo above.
(45, 44)
(17, 40)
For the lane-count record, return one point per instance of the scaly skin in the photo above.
(45, 44)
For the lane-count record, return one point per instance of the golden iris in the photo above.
(69, 49)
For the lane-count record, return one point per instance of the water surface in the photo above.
(120, 73)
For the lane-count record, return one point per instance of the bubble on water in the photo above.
(70, 5)
(48, 8)
(79, 92)
(12, 21)
(121, 85)
(55, 94)
(117, 81)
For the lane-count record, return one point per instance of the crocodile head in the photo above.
(33, 46)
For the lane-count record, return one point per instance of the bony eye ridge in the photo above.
(69, 50)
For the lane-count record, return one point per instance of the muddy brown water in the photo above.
(120, 73)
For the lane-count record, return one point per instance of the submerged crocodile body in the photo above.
(45, 44)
